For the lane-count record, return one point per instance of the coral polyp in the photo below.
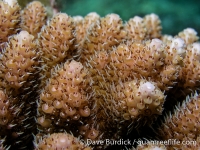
(67, 79)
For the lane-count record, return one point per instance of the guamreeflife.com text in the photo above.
(139, 142)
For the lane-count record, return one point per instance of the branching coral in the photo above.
(183, 125)
(103, 34)
(189, 74)
(19, 70)
(65, 97)
(33, 17)
(19, 62)
(95, 77)
(55, 41)
(82, 25)
(10, 18)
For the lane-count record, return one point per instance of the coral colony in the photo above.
(85, 82)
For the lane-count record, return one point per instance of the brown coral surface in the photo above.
(71, 78)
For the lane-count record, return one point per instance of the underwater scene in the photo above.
(99, 75)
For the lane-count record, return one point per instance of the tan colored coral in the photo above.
(19, 63)
(19, 67)
(82, 26)
(165, 38)
(126, 59)
(168, 77)
(16, 121)
(174, 55)
(189, 35)
(153, 26)
(50, 5)
(151, 146)
(103, 35)
(78, 19)
(60, 141)
(175, 50)
(184, 123)
(33, 17)
(55, 41)
(111, 74)
(4, 108)
(65, 96)
(190, 72)
(190, 144)
(9, 110)
(9, 18)
(119, 85)
(135, 28)
(79, 32)
(121, 106)
(142, 98)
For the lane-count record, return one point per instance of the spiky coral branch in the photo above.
(33, 17)
(183, 125)
(18, 82)
(10, 18)
(99, 77)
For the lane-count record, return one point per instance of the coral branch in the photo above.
(95, 77)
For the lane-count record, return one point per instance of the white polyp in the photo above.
(11, 3)
(168, 37)
(93, 15)
(63, 141)
(78, 18)
(113, 18)
(137, 20)
(196, 49)
(62, 17)
(190, 31)
(156, 43)
(153, 17)
(23, 35)
(178, 44)
(147, 88)
(75, 66)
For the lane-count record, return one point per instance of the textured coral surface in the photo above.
(69, 79)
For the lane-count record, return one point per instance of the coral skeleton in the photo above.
(68, 79)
